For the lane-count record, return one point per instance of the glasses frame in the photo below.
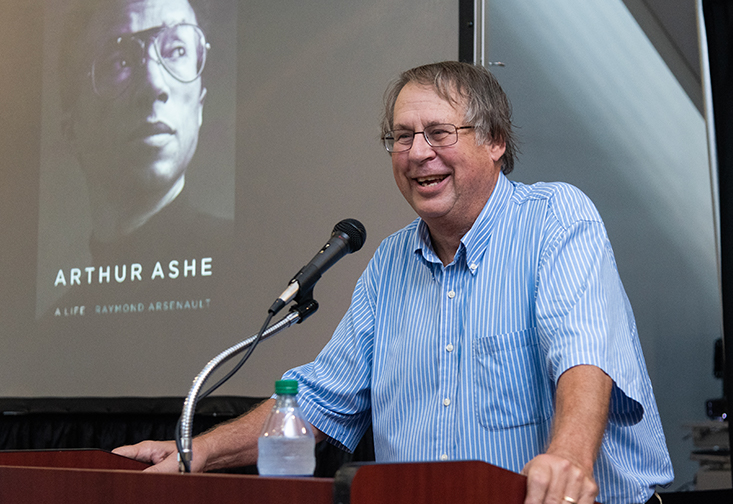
(145, 38)
(389, 137)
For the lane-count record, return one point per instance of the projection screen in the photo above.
(152, 213)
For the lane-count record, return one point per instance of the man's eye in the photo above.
(403, 136)
(113, 62)
(174, 52)
(439, 133)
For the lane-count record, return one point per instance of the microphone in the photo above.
(347, 236)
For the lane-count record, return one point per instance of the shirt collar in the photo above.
(473, 243)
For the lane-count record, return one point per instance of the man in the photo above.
(493, 327)
(134, 125)
(132, 99)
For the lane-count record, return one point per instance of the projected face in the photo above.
(136, 120)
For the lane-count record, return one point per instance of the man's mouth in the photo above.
(148, 129)
(430, 181)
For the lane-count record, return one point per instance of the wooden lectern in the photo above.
(99, 477)
(466, 481)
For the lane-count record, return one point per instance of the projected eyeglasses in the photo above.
(180, 49)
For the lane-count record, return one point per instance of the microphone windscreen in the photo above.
(354, 230)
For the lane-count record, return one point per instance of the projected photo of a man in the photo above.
(133, 99)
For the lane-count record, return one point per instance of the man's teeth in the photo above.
(428, 181)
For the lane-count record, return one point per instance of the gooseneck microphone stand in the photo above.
(298, 313)
(347, 236)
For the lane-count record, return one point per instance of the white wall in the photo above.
(596, 106)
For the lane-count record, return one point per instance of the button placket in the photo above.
(453, 276)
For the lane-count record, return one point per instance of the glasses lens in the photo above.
(182, 51)
(113, 67)
(440, 135)
(398, 140)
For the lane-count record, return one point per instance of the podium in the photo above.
(99, 477)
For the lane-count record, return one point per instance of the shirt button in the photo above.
(473, 267)
(451, 294)
(444, 457)
(449, 347)
(446, 402)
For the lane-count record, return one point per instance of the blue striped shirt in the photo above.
(461, 361)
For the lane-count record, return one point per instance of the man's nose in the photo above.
(155, 79)
(421, 149)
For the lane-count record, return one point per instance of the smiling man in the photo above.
(493, 327)
(447, 188)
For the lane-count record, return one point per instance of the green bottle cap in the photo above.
(286, 387)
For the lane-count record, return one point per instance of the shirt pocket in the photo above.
(511, 385)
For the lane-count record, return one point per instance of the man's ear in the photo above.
(201, 105)
(497, 148)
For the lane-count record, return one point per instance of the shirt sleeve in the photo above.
(334, 390)
(584, 315)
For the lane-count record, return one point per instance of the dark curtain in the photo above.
(57, 423)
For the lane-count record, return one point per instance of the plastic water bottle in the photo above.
(286, 446)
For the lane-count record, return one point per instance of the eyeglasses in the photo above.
(436, 135)
(181, 49)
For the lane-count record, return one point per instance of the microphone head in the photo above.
(355, 232)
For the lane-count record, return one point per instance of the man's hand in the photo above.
(230, 444)
(162, 454)
(555, 479)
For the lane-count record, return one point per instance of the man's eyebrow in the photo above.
(425, 125)
(401, 127)
(147, 31)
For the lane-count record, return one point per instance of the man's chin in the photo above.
(158, 179)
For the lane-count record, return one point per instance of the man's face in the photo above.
(140, 142)
(446, 186)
